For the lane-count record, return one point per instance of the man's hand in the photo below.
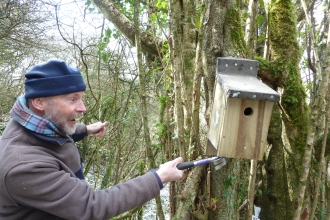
(96, 129)
(168, 172)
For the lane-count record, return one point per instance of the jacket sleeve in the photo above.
(43, 186)
(81, 133)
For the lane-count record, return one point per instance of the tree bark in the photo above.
(111, 12)
(321, 168)
(295, 115)
(251, 189)
(250, 30)
(250, 35)
(276, 203)
(221, 37)
(143, 93)
(316, 104)
(177, 67)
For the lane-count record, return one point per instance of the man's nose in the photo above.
(81, 107)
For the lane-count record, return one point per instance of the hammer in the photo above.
(218, 162)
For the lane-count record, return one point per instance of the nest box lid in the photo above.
(238, 79)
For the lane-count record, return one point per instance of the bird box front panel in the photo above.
(245, 128)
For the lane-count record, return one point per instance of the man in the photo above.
(40, 167)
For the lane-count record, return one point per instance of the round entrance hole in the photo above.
(248, 111)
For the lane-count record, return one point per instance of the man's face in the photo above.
(63, 110)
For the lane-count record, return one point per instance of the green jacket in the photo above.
(41, 179)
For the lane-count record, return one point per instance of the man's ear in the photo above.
(38, 104)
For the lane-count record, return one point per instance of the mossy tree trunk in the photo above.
(276, 202)
(282, 167)
(223, 37)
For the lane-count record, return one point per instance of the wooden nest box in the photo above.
(241, 111)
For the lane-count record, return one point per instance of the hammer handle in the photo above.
(185, 165)
(189, 164)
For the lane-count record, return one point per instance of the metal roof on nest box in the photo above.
(238, 79)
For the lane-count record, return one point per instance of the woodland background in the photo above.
(150, 70)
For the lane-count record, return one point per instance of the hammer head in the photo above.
(219, 162)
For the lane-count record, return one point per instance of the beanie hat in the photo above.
(52, 78)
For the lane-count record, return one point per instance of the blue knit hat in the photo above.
(52, 78)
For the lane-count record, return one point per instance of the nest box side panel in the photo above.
(245, 129)
(216, 120)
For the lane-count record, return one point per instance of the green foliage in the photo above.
(260, 18)
(323, 213)
(106, 177)
(107, 104)
(89, 6)
(161, 130)
(232, 183)
(259, 192)
(88, 3)
(214, 200)
(228, 183)
(161, 5)
(159, 18)
(141, 164)
(126, 7)
(103, 43)
(262, 4)
(242, 193)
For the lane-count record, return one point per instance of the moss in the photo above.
(234, 23)
(161, 125)
(294, 96)
(285, 58)
(293, 101)
(189, 68)
(283, 33)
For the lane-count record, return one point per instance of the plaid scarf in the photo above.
(24, 116)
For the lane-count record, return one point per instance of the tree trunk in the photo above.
(250, 36)
(189, 39)
(143, 93)
(276, 203)
(177, 67)
(111, 11)
(321, 168)
(195, 147)
(251, 189)
(221, 38)
(327, 190)
(286, 56)
(316, 104)
(250, 30)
